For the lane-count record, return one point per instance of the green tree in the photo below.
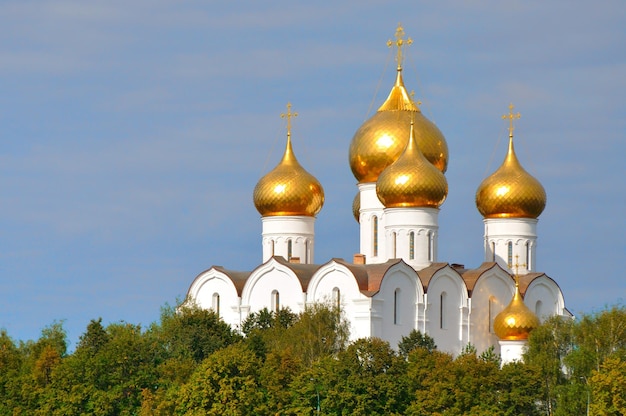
(414, 340)
(226, 383)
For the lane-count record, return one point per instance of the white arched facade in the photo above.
(544, 298)
(492, 292)
(446, 310)
(213, 282)
(266, 282)
(395, 306)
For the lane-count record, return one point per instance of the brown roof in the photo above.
(303, 272)
(427, 273)
(238, 278)
(470, 277)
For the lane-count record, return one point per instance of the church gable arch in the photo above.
(445, 309)
(544, 292)
(269, 278)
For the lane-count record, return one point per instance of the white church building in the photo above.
(397, 283)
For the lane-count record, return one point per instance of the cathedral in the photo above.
(396, 283)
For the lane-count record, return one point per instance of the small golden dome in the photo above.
(516, 321)
(382, 138)
(288, 189)
(510, 192)
(412, 181)
(356, 207)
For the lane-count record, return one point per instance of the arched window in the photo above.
(510, 254)
(337, 297)
(215, 304)
(306, 251)
(528, 263)
(396, 307)
(393, 247)
(272, 248)
(538, 309)
(275, 301)
(412, 245)
(289, 249)
(375, 235)
(493, 251)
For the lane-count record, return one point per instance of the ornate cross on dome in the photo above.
(399, 42)
(511, 117)
(289, 115)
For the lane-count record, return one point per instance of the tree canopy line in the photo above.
(192, 363)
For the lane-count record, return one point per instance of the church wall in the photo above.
(272, 287)
(492, 293)
(372, 231)
(214, 290)
(446, 300)
(334, 283)
(395, 305)
(544, 298)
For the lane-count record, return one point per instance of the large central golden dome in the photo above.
(411, 181)
(383, 137)
(288, 189)
(516, 321)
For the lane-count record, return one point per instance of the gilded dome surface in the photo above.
(510, 192)
(383, 137)
(288, 189)
(412, 181)
(356, 207)
(516, 321)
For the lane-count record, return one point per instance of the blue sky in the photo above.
(132, 135)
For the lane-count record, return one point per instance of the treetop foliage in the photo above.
(192, 363)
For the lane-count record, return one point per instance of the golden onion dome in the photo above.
(288, 189)
(516, 321)
(510, 192)
(382, 138)
(356, 207)
(412, 181)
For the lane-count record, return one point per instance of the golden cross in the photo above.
(517, 266)
(511, 117)
(288, 115)
(418, 102)
(399, 42)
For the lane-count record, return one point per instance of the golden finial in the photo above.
(511, 117)
(399, 42)
(288, 115)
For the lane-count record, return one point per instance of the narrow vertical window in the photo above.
(528, 266)
(538, 309)
(493, 251)
(393, 242)
(443, 324)
(396, 307)
(490, 314)
(412, 245)
(289, 249)
(337, 298)
(275, 301)
(510, 254)
(216, 303)
(430, 245)
(272, 248)
(306, 251)
(375, 235)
